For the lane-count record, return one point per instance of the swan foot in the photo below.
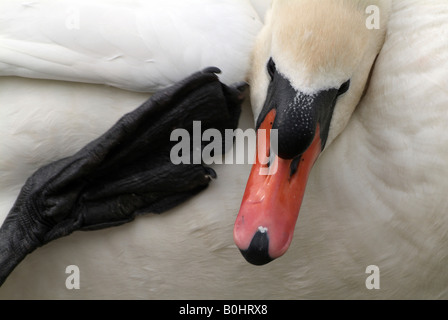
(124, 173)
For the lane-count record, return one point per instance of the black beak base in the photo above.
(124, 173)
(297, 115)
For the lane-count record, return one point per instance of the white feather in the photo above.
(135, 45)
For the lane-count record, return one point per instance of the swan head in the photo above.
(310, 67)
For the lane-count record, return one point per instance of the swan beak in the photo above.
(270, 207)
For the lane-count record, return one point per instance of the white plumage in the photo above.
(377, 195)
(134, 45)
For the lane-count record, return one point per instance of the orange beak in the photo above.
(270, 207)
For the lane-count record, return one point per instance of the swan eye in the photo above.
(344, 88)
(271, 68)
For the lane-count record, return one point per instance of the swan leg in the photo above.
(125, 172)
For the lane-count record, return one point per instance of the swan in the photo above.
(381, 174)
(372, 209)
(313, 79)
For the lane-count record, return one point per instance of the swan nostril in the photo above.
(257, 253)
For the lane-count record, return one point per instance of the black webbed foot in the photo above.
(125, 172)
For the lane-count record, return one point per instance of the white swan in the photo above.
(372, 209)
(306, 81)
(375, 195)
